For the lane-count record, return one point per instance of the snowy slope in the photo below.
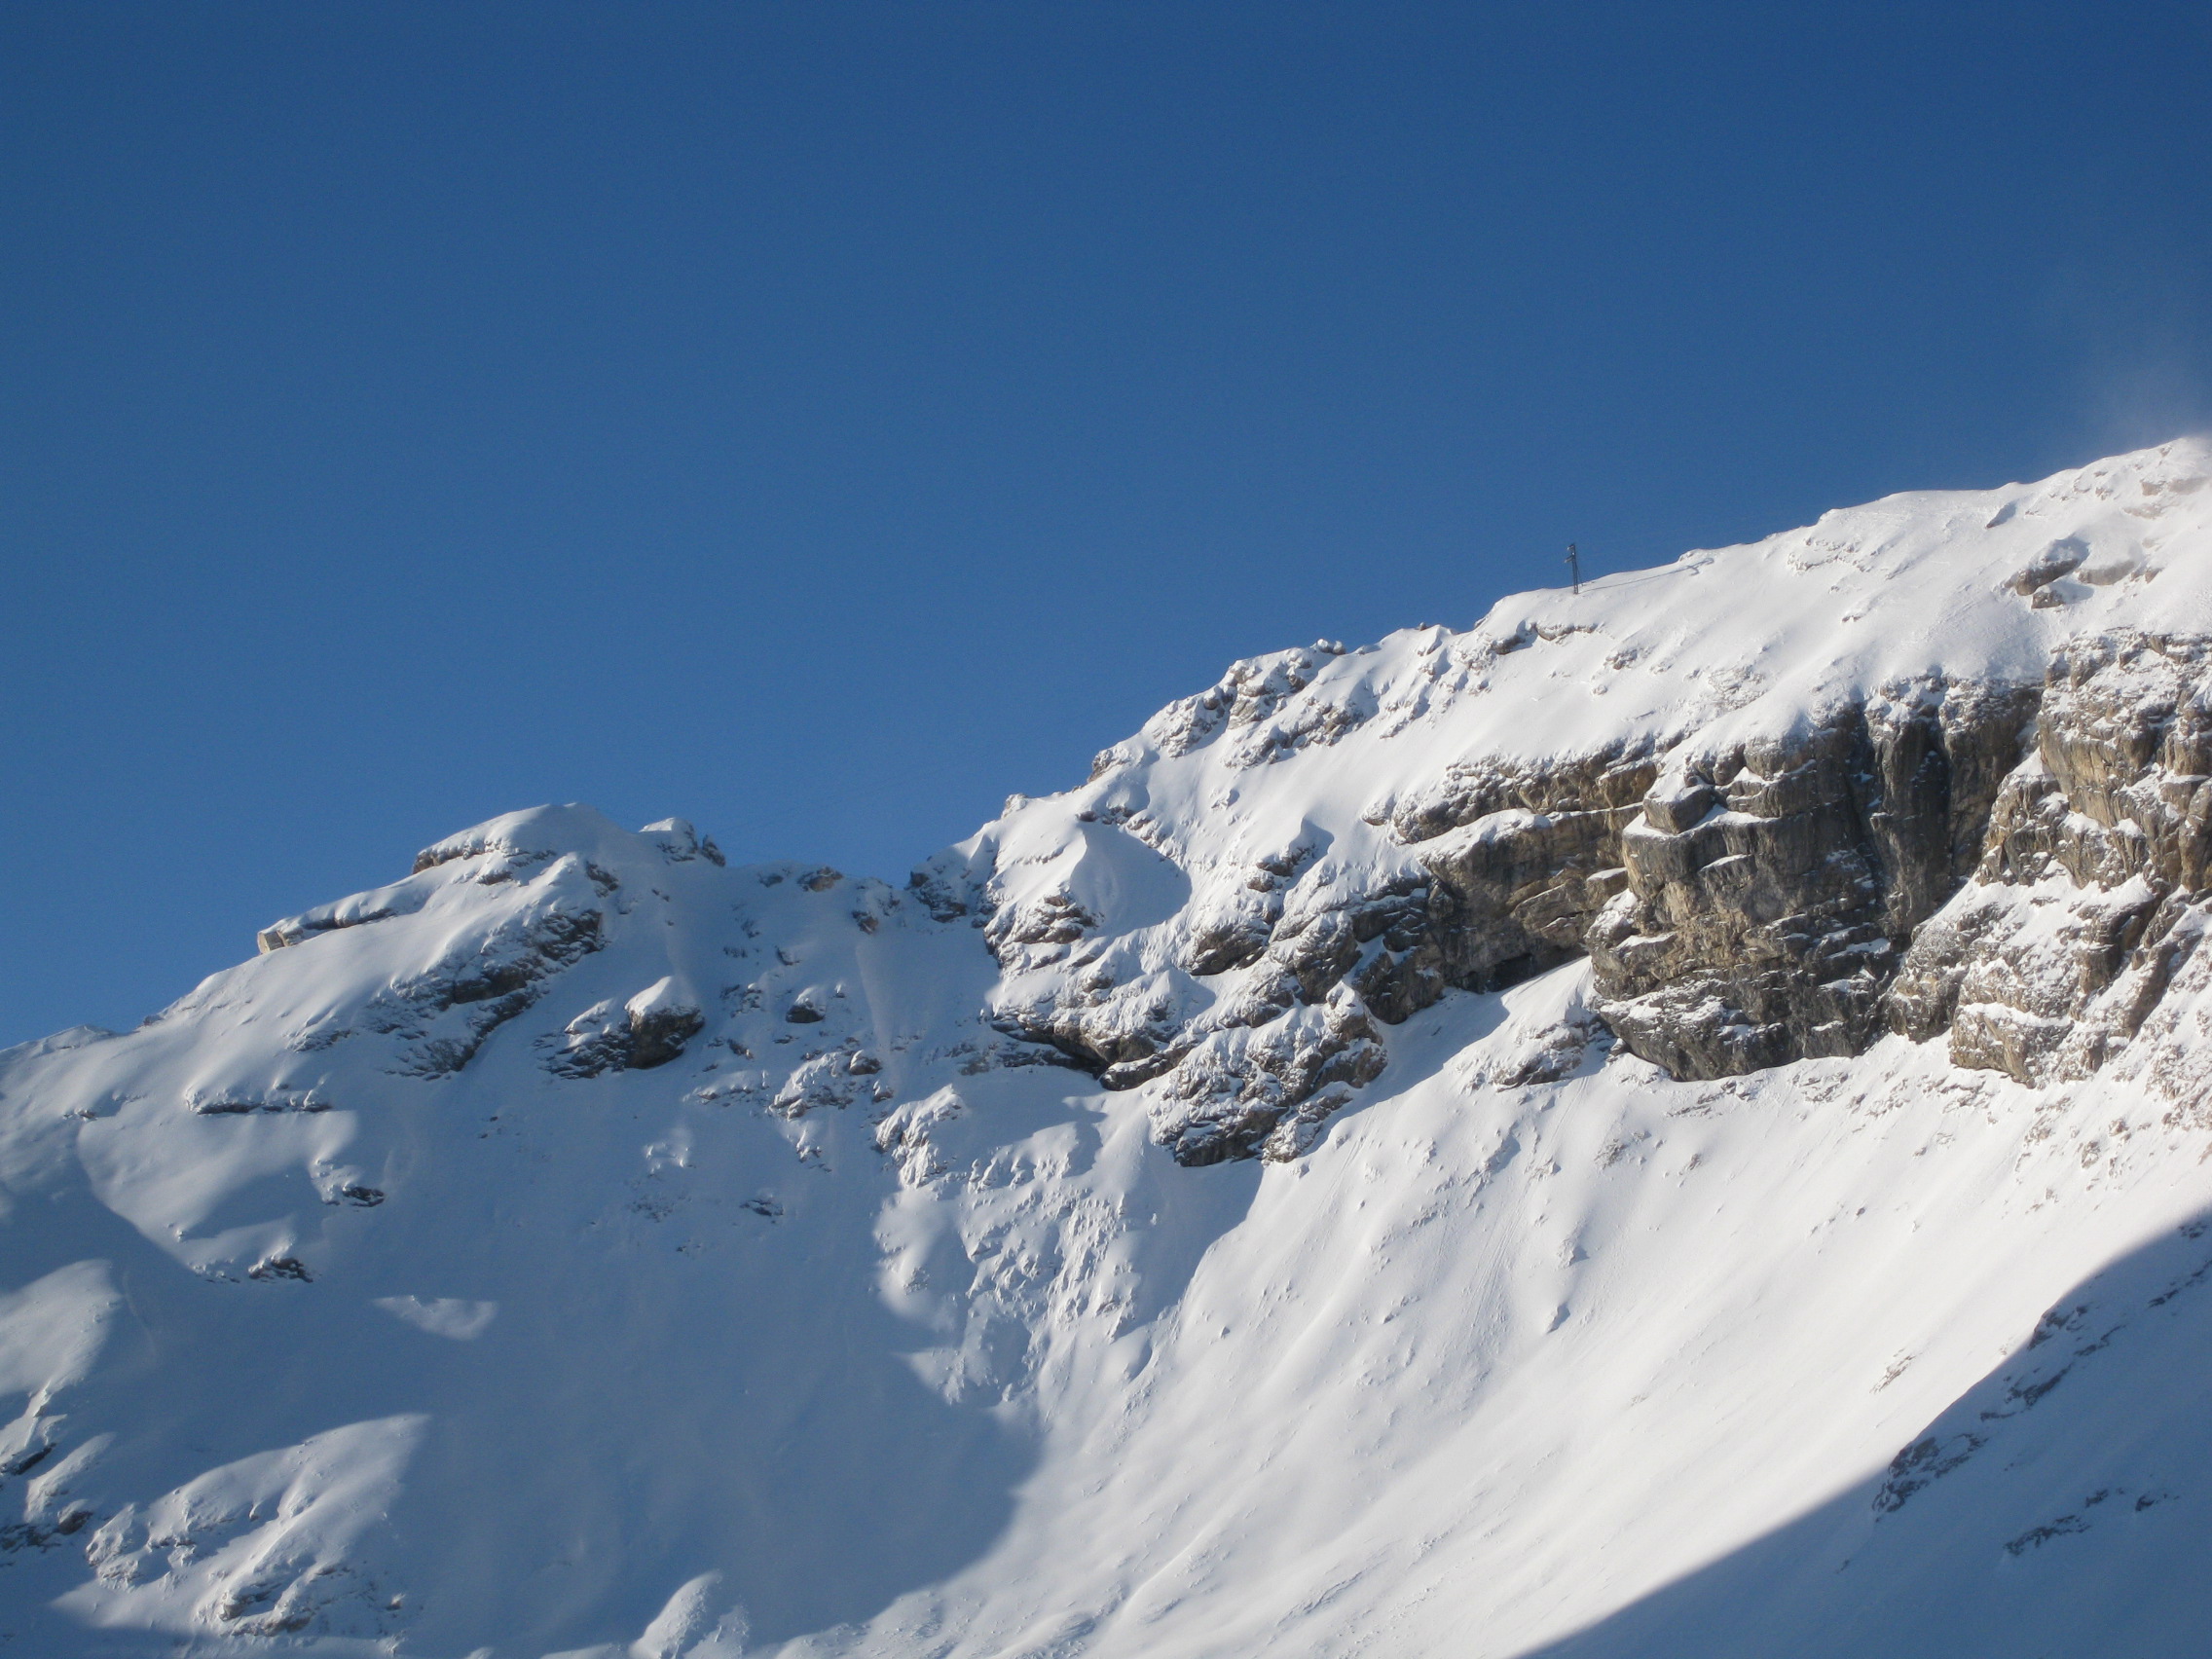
(579, 1245)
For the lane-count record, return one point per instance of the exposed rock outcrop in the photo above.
(648, 1030)
(1522, 859)
(445, 1012)
(2091, 893)
(1941, 859)
(1772, 888)
(1743, 908)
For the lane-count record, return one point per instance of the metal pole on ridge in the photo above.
(1574, 567)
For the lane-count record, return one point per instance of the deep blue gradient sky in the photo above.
(821, 420)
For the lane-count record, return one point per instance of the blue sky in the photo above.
(822, 420)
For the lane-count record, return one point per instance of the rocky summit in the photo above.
(1673, 1122)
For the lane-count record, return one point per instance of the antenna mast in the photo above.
(1574, 569)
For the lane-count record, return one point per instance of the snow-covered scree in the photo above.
(1700, 1088)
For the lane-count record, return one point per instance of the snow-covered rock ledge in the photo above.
(1742, 785)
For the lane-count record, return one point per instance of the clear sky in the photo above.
(822, 420)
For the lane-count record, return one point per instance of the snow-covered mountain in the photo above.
(1673, 1123)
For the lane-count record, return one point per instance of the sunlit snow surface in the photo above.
(344, 1318)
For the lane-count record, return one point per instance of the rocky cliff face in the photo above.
(1773, 888)
(1764, 860)
(1743, 908)
(2089, 896)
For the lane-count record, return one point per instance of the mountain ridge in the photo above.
(1658, 1055)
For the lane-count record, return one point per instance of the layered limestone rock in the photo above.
(1743, 908)
(2091, 893)
(1522, 861)
(2015, 866)
(1771, 888)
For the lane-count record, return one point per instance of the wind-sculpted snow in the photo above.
(1697, 1080)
